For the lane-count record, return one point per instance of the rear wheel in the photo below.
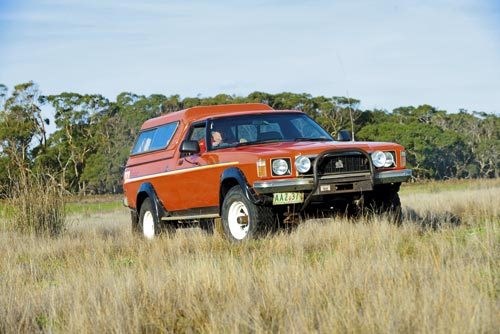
(241, 219)
(148, 224)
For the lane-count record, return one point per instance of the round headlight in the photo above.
(389, 162)
(280, 167)
(379, 159)
(303, 164)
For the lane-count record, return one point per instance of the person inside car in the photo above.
(216, 138)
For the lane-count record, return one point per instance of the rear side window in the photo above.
(154, 139)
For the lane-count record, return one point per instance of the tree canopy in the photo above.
(93, 135)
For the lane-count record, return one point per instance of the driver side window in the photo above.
(198, 133)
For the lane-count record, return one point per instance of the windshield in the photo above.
(263, 128)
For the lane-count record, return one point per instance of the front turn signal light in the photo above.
(261, 168)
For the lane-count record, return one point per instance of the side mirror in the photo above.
(344, 135)
(190, 146)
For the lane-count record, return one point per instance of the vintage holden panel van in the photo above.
(253, 168)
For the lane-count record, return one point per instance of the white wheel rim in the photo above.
(148, 225)
(236, 210)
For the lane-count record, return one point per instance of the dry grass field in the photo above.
(434, 274)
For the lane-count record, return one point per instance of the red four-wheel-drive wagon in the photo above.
(253, 168)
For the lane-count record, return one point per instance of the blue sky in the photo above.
(386, 53)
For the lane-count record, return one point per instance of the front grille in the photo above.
(342, 163)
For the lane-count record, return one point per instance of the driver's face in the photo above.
(216, 138)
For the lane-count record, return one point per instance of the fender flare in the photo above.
(147, 190)
(232, 176)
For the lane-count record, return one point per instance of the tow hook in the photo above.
(291, 217)
(360, 202)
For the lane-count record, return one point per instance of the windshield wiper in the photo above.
(311, 139)
(245, 143)
(259, 142)
(281, 140)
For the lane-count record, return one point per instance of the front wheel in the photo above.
(241, 219)
(388, 204)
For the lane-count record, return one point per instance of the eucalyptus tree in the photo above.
(73, 142)
(22, 127)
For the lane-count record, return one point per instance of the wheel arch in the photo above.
(234, 176)
(146, 190)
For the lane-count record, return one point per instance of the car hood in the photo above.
(311, 148)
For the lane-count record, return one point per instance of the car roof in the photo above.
(190, 115)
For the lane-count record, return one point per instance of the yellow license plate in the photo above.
(287, 198)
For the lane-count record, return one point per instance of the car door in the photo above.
(197, 175)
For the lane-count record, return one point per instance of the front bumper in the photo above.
(287, 185)
(307, 184)
(392, 176)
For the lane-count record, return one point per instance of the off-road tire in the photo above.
(236, 204)
(134, 217)
(148, 224)
(388, 204)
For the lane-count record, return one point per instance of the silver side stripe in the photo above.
(179, 171)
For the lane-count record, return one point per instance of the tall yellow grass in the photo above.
(328, 275)
(37, 205)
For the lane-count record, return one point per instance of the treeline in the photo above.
(93, 135)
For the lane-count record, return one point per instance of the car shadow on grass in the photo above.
(430, 219)
(426, 220)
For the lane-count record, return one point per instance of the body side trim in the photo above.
(179, 171)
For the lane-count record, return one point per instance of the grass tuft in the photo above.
(37, 206)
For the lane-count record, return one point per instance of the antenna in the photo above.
(348, 97)
(350, 116)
